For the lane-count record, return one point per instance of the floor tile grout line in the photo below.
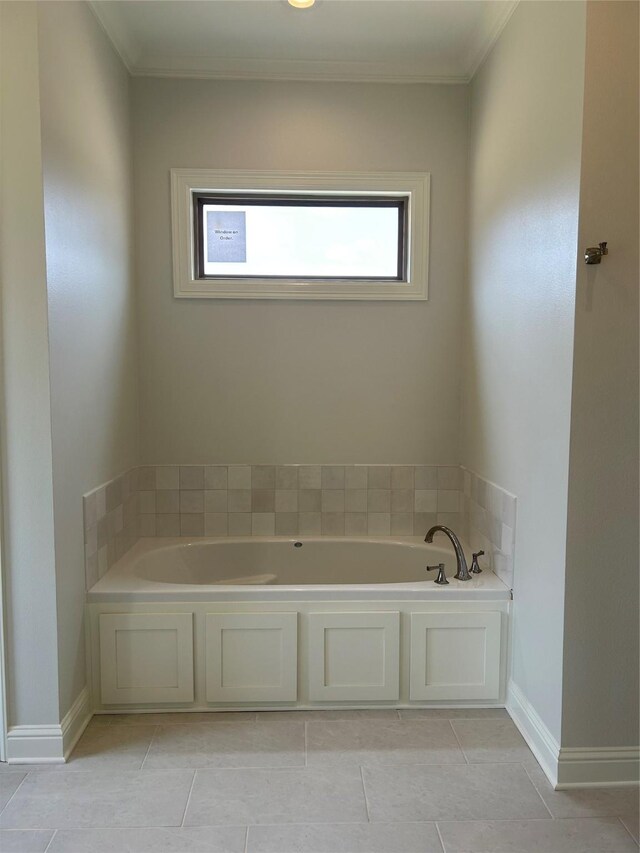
(186, 805)
(544, 802)
(53, 835)
(246, 839)
(155, 732)
(364, 794)
(455, 734)
(440, 838)
(306, 744)
(628, 831)
(21, 783)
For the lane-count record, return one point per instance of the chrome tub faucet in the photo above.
(463, 571)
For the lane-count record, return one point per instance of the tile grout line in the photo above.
(246, 839)
(186, 805)
(3, 809)
(364, 793)
(627, 830)
(455, 734)
(306, 747)
(155, 732)
(53, 835)
(544, 802)
(440, 838)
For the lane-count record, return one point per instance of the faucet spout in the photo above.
(463, 571)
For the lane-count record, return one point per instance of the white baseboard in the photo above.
(598, 767)
(44, 744)
(538, 737)
(570, 767)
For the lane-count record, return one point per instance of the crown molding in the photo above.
(485, 49)
(110, 19)
(206, 67)
(213, 68)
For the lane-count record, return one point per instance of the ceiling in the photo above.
(366, 40)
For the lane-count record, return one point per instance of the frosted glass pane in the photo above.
(300, 241)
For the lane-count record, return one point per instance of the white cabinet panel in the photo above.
(354, 656)
(252, 657)
(146, 657)
(455, 656)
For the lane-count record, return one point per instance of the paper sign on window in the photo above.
(226, 237)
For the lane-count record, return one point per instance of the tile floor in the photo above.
(307, 782)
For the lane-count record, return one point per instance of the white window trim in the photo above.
(414, 184)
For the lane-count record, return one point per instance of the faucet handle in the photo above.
(475, 568)
(442, 578)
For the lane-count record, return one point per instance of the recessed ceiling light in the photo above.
(301, 4)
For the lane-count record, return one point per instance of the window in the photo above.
(309, 236)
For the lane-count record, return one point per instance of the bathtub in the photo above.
(267, 623)
(275, 568)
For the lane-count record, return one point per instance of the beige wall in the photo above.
(299, 381)
(28, 558)
(526, 131)
(87, 193)
(600, 696)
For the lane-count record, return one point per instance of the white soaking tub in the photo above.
(277, 569)
(213, 624)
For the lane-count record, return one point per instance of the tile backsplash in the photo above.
(488, 522)
(110, 515)
(287, 500)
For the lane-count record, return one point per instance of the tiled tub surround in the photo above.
(290, 500)
(488, 522)
(110, 515)
(295, 500)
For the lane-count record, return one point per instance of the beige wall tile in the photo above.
(402, 524)
(286, 500)
(355, 500)
(215, 500)
(425, 477)
(263, 523)
(167, 501)
(263, 500)
(215, 524)
(378, 500)
(263, 477)
(333, 476)
(309, 523)
(191, 477)
(215, 477)
(147, 502)
(449, 477)
(168, 524)
(402, 500)
(332, 500)
(309, 500)
(355, 524)
(310, 477)
(426, 500)
(379, 477)
(422, 521)
(146, 527)
(192, 525)
(167, 477)
(239, 477)
(191, 501)
(286, 523)
(402, 477)
(287, 477)
(146, 477)
(239, 500)
(355, 477)
(240, 524)
(333, 524)
(379, 523)
(448, 501)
